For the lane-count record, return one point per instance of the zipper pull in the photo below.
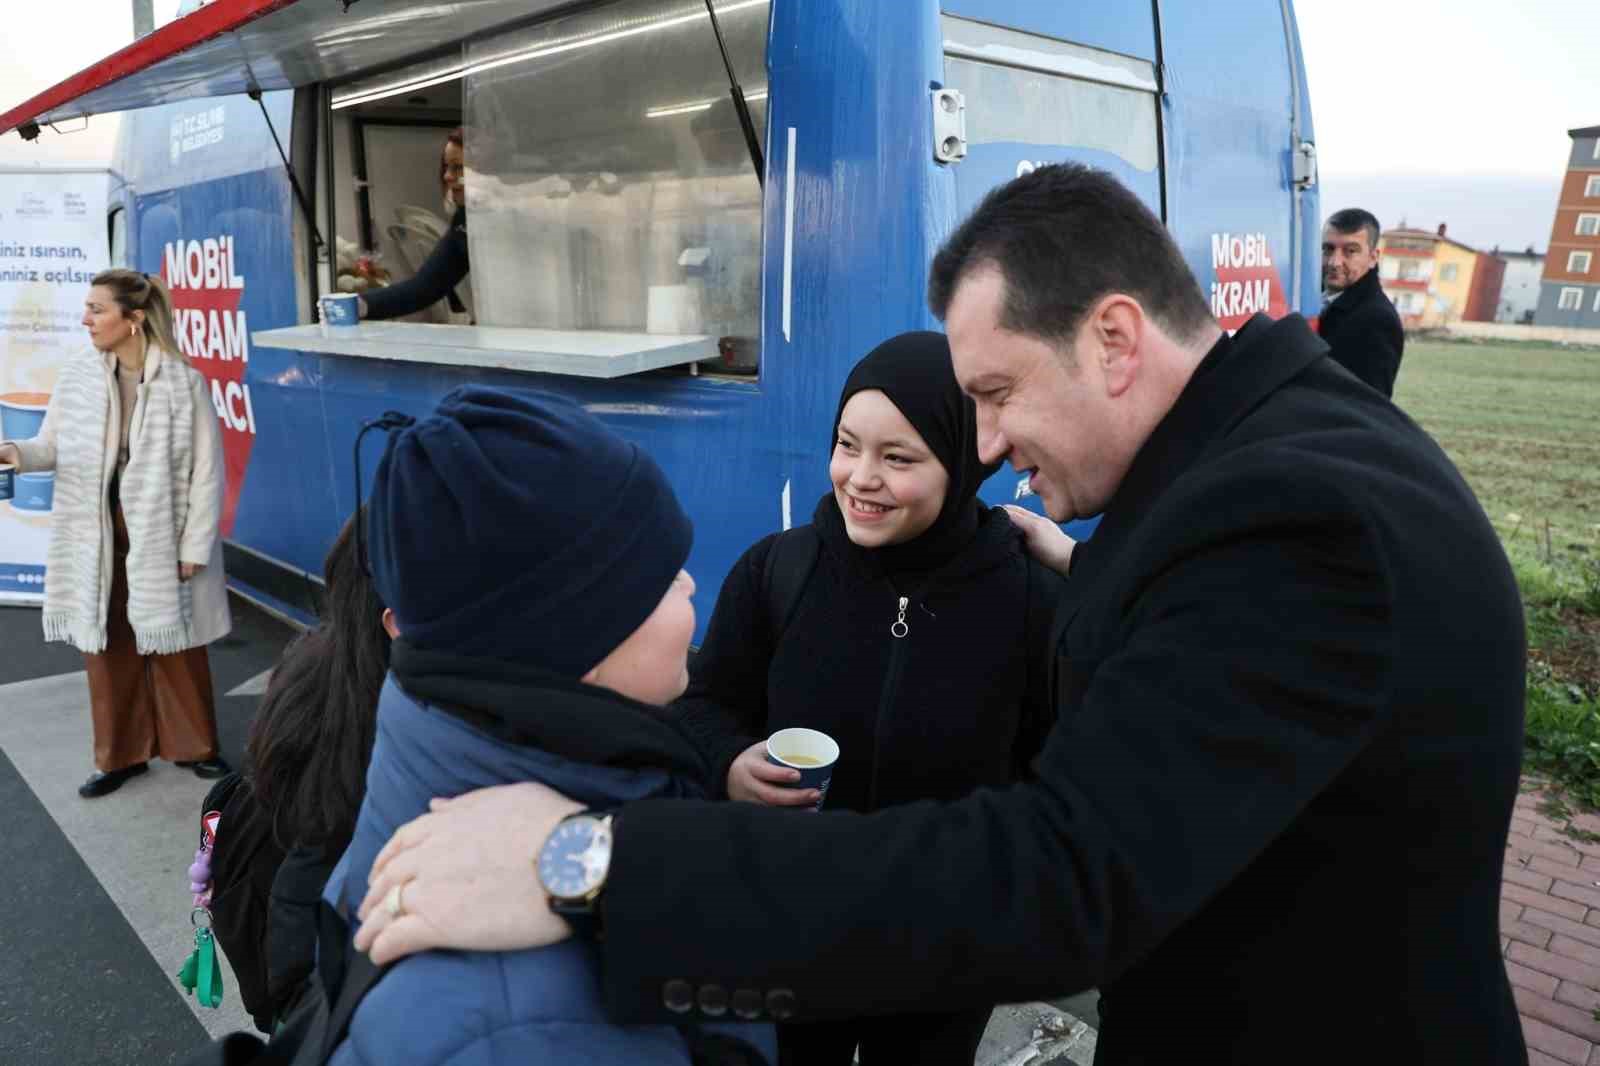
(900, 629)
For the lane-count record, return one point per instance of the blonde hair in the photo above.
(134, 291)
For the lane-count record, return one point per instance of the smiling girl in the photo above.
(920, 642)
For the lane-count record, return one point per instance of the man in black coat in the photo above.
(1359, 322)
(1270, 820)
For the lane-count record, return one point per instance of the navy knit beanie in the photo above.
(511, 524)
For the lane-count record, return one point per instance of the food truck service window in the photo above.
(574, 195)
(608, 182)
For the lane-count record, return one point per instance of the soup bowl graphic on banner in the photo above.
(21, 416)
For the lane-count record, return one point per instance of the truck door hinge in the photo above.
(1305, 165)
(949, 126)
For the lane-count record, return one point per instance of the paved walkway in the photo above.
(1550, 930)
(94, 917)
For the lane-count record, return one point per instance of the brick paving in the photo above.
(1550, 933)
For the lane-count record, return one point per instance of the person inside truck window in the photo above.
(447, 265)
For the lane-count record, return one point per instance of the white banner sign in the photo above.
(52, 241)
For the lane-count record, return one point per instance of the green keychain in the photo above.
(200, 973)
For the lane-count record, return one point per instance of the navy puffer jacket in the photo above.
(520, 1007)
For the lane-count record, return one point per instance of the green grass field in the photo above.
(1522, 422)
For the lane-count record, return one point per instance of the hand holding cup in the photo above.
(811, 753)
(753, 779)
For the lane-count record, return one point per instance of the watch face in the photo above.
(575, 859)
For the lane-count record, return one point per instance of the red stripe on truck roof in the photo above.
(197, 27)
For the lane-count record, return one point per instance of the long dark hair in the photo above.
(312, 736)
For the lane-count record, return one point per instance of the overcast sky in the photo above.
(1425, 111)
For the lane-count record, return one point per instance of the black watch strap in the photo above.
(584, 917)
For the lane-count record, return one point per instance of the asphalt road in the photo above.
(94, 909)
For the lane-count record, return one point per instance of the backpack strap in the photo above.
(1059, 621)
(786, 573)
(361, 974)
(344, 977)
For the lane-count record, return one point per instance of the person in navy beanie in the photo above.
(512, 525)
(532, 564)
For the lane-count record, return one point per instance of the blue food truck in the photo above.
(690, 216)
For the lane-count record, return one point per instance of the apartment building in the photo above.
(1569, 291)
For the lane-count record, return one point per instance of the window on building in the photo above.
(1570, 300)
(1409, 303)
(1578, 262)
(1597, 301)
(1448, 271)
(1588, 225)
(1388, 269)
(1597, 147)
(1593, 186)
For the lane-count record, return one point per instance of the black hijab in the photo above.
(915, 372)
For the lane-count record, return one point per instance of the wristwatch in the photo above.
(572, 866)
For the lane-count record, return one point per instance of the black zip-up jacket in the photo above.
(1364, 331)
(961, 701)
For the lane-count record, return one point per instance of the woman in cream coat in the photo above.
(134, 574)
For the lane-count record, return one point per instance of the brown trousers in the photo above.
(145, 706)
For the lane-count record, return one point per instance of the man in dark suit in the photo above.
(1358, 321)
(1269, 823)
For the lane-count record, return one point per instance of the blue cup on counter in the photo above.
(811, 752)
(34, 492)
(339, 312)
(8, 481)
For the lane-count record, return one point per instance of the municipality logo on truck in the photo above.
(197, 130)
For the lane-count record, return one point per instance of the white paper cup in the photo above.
(811, 752)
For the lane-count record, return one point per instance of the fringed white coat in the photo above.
(171, 499)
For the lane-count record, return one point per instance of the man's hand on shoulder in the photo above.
(465, 877)
(1046, 542)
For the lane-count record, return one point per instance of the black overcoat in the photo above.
(1269, 823)
(1364, 332)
